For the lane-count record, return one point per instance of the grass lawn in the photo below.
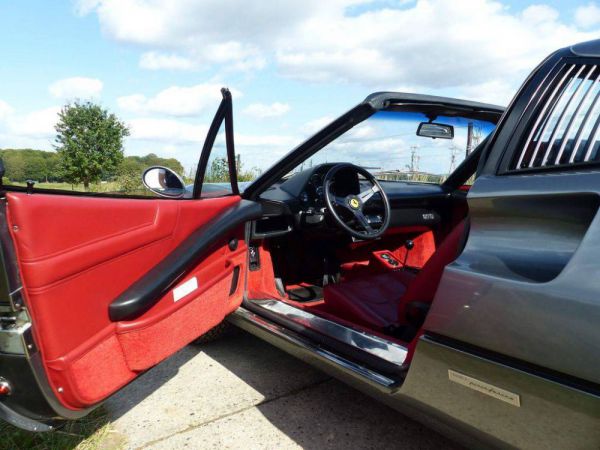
(90, 433)
(100, 187)
(110, 187)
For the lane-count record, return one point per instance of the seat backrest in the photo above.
(423, 287)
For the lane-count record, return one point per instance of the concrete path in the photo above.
(240, 392)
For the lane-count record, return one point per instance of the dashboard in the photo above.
(297, 202)
(314, 193)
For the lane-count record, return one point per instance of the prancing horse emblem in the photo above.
(354, 204)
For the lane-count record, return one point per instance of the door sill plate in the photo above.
(252, 323)
(376, 346)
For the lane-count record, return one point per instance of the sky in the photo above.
(291, 65)
(385, 142)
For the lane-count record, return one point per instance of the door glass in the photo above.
(217, 180)
(213, 176)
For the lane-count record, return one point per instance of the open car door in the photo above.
(98, 289)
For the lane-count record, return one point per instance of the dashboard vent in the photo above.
(565, 129)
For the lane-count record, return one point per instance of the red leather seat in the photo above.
(380, 300)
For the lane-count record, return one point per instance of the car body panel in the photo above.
(526, 284)
(550, 415)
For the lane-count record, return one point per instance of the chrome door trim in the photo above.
(374, 345)
(242, 317)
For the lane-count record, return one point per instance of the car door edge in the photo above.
(19, 352)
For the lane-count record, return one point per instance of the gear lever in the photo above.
(408, 245)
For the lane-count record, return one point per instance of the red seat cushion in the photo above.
(379, 300)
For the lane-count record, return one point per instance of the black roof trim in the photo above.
(589, 49)
(380, 100)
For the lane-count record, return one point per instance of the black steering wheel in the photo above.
(358, 225)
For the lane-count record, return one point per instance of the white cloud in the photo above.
(263, 111)
(157, 61)
(177, 101)
(167, 131)
(261, 151)
(434, 44)
(266, 140)
(152, 22)
(29, 130)
(5, 110)
(178, 132)
(232, 55)
(76, 88)
(183, 141)
(429, 44)
(36, 124)
(539, 14)
(588, 16)
(315, 125)
(498, 92)
(230, 32)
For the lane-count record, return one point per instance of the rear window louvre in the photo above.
(565, 129)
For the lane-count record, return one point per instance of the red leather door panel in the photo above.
(77, 254)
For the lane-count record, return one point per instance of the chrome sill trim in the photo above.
(242, 315)
(374, 345)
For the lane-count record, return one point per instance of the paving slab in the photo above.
(327, 416)
(241, 392)
(202, 383)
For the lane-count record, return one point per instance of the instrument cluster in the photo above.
(313, 194)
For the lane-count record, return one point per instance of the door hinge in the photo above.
(15, 334)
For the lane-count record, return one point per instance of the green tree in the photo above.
(151, 159)
(245, 175)
(89, 142)
(129, 177)
(36, 168)
(53, 171)
(218, 171)
(15, 165)
(129, 174)
(27, 164)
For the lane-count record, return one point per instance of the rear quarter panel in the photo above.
(524, 294)
(550, 415)
(527, 283)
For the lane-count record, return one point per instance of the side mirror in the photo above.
(435, 130)
(164, 182)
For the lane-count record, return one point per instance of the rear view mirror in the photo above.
(435, 130)
(164, 182)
